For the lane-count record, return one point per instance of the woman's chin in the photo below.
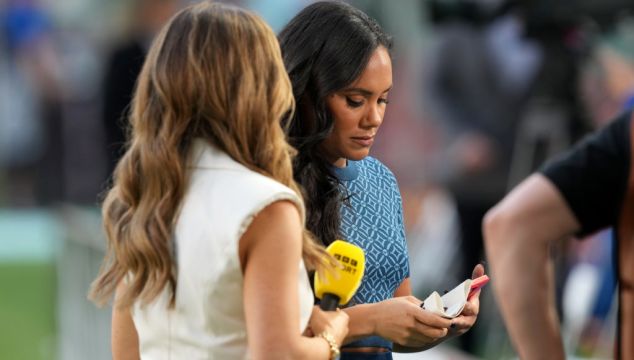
(358, 155)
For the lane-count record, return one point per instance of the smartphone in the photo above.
(476, 284)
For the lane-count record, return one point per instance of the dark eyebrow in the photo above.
(364, 92)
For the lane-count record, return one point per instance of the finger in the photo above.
(471, 308)
(414, 300)
(427, 332)
(463, 322)
(430, 319)
(478, 271)
(343, 315)
(467, 310)
(475, 299)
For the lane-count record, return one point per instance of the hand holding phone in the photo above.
(453, 302)
(476, 284)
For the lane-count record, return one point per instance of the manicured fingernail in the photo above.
(452, 325)
(422, 305)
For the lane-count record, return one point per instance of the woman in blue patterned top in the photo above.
(339, 63)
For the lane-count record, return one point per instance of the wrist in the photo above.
(363, 321)
(372, 318)
(335, 353)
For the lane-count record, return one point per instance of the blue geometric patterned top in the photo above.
(374, 222)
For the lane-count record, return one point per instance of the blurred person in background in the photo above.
(608, 91)
(122, 68)
(206, 247)
(478, 78)
(584, 190)
(340, 66)
(30, 112)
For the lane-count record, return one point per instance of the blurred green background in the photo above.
(55, 159)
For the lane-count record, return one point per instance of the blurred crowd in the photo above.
(484, 92)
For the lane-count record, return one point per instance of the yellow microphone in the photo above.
(339, 284)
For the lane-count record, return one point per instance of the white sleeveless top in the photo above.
(208, 319)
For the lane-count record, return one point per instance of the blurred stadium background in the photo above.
(475, 83)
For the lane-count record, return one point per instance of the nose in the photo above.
(374, 116)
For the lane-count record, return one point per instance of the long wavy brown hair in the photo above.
(213, 72)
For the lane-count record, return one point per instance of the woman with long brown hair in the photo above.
(206, 246)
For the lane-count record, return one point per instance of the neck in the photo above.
(340, 163)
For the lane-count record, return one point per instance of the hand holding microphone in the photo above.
(335, 287)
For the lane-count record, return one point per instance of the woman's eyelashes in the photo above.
(353, 103)
(357, 103)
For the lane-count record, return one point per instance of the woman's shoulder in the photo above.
(226, 190)
(213, 168)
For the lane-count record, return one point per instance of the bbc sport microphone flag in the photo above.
(341, 283)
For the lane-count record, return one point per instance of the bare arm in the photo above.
(518, 233)
(270, 253)
(125, 340)
(405, 289)
(364, 318)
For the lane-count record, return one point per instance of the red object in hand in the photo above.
(476, 284)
